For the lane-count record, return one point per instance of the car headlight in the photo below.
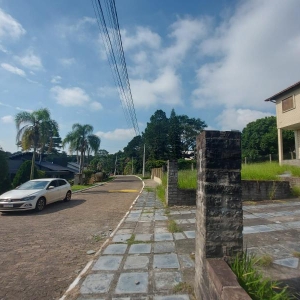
(28, 198)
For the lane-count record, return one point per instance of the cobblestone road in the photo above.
(42, 253)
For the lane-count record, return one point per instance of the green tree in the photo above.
(156, 136)
(135, 149)
(35, 130)
(24, 173)
(174, 134)
(4, 172)
(190, 128)
(82, 139)
(260, 138)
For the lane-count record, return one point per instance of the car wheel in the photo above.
(40, 204)
(68, 196)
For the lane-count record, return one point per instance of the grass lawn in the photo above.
(78, 187)
(187, 179)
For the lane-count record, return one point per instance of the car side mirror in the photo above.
(51, 187)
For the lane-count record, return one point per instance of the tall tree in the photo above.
(134, 149)
(156, 136)
(35, 130)
(260, 138)
(190, 128)
(174, 131)
(81, 138)
(4, 172)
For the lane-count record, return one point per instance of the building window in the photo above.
(288, 104)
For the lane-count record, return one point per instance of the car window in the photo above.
(53, 183)
(33, 185)
(61, 182)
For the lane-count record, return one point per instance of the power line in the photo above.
(115, 53)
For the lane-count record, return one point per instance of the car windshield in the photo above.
(33, 185)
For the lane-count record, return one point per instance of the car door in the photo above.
(62, 188)
(52, 193)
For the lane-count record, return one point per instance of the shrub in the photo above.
(4, 174)
(186, 164)
(151, 164)
(23, 173)
(87, 175)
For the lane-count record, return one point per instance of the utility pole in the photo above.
(144, 162)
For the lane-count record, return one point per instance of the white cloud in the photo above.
(82, 23)
(9, 27)
(187, 33)
(107, 92)
(96, 105)
(254, 55)
(76, 30)
(3, 49)
(238, 118)
(142, 37)
(70, 96)
(165, 89)
(118, 134)
(13, 69)
(30, 61)
(56, 79)
(67, 61)
(7, 119)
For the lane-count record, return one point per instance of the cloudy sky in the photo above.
(214, 60)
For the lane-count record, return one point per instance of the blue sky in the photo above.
(214, 60)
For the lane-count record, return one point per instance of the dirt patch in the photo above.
(42, 253)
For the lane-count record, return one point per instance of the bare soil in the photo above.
(42, 253)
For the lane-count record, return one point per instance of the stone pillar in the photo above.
(280, 146)
(171, 195)
(219, 215)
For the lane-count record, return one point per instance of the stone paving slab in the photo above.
(158, 260)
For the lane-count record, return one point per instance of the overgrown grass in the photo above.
(161, 189)
(80, 187)
(296, 191)
(187, 179)
(267, 171)
(264, 261)
(296, 254)
(173, 227)
(132, 241)
(253, 282)
(183, 287)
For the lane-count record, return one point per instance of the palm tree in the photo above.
(35, 130)
(82, 139)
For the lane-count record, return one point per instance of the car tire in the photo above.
(68, 196)
(40, 204)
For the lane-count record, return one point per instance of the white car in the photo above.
(35, 194)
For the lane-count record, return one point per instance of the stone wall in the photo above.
(257, 190)
(219, 214)
(294, 181)
(291, 162)
(251, 190)
(172, 180)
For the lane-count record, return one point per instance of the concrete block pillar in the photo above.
(219, 215)
(172, 181)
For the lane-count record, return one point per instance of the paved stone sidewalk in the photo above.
(143, 260)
